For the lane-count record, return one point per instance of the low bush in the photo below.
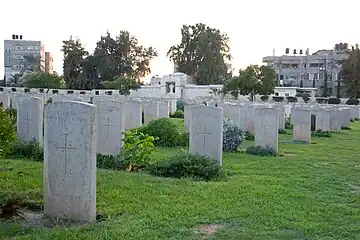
(356, 119)
(177, 114)
(321, 133)
(345, 128)
(7, 133)
(306, 99)
(249, 136)
(30, 150)
(288, 124)
(334, 101)
(282, 131)
(110, 162)
(233, 135)
(352, 120)
(264, 98)
(165, 132)
(186, 165)
(352, 102)
(278, 98)
(137, 149)
(12, 114)
(135, 154)
(322, 100)
(180, 105)
(261, 151)
(292, 99)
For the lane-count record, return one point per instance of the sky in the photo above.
(255, 27)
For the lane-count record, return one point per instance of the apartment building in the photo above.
(301, 69)
(17, 51)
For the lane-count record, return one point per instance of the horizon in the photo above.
(249, 42)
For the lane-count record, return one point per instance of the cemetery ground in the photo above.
(308, 192)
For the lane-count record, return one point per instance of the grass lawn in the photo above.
(309, 192)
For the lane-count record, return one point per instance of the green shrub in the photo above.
(322, 100)
(164, 130)
(7, 133)
(288, 124)
(306, 99)
(186, 165)
(278, 98)
(282, 131)
(12, 114)
(180, 105)
(345, 128)
(110, 162)
(177, 114)
(249, 136)
(233, 135)
(264, 98)
(137, 150)
(183, 139)
(352, 120)
(29, 150)
(292, 99)
(356, 119)
(321, 133)
(334, 101)
(261, 151)
(352, 102)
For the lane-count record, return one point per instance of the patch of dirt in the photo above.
(287, 154)
(208, 230)
(32, 215)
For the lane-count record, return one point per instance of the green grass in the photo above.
(309, 192)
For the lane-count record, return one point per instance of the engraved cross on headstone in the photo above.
(108, 128)
(66, 148)
(204, 133)
(27, 121)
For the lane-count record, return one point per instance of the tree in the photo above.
(122, 56)
(202, 53)
(41, 79)
(252, 80)
(74, 60)
(124, 84)
(350, 73)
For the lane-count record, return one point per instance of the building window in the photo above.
(281, 77)
(321, 65)
(315, 65)
(30, 48)
(18, 47)
(294, 66)
(316, 76)
(18, 57)
(305, 76)
(304, 65)
(286, 66)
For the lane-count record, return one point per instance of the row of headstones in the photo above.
(113, 118)
(206, 127)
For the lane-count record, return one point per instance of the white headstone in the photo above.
(30, 119)
(110, 126)
(133, 114)
(301, 120)
(151, 112)
(206, 133)
(266, 127)
(70, 160)
(322, 120)
(163, 109)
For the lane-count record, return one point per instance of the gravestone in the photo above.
(266, 125)
(335, 119)
(5, 101)
(163, 109)
(151, 112)
(70, 160)
(187, 115)
(282, 116)
(133, 114)
(206, 132)
(110, 126)
(301, 120)
(322, 120)
(30, 119)
(345, 117)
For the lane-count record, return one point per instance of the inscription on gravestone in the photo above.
(204, 133)
(108, 128)
(65, 149)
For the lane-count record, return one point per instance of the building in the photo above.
(49, 62)
(17, 53)
(301, 69)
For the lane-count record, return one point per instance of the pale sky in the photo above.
(255, 27)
